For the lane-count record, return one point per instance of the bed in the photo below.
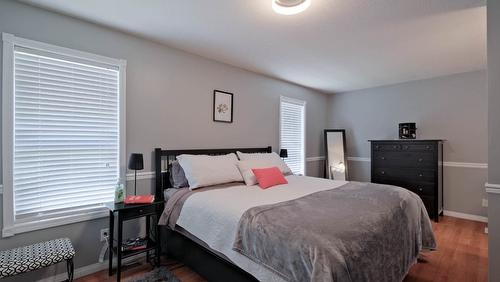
(342, 231)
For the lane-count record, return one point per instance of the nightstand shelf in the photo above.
(124, 213)
(151, 245)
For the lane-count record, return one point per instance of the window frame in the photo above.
(304, 126)
(10, 227)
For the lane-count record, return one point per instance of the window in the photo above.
(292, 132)
(62, 127)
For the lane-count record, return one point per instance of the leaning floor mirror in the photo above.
(336, 156)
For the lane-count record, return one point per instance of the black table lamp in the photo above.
(136, 163)
(283, 153)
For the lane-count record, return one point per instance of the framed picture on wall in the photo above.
(223, 106)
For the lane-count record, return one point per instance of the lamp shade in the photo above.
(135, 162)
(284, 153)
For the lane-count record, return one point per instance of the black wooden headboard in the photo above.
(166, 157)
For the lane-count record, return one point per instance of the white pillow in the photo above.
(205, 170)
(245, 168)
(272, 158)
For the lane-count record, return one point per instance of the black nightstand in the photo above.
(127, 212)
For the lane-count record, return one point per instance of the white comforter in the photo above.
(213, 216)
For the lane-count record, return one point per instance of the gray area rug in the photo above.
(160, 274)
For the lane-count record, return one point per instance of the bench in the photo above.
(36, 256)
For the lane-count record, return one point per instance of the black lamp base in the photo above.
(135, 182)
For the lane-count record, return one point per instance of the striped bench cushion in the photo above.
(32, 257)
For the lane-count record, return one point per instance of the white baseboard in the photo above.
(466, 216)
(88, 269)
(79, 272)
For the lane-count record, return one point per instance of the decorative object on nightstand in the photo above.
(141, 199)
(283, 153)
(416, 165)
(151, 240)
(408, 130)
(119, 192)
(135, 163)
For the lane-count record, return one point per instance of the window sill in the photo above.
(9, 231)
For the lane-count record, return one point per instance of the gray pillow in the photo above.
(177, 177)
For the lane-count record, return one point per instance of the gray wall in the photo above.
(451, 107)
(169, 105)
(493, 14)
(493, 10)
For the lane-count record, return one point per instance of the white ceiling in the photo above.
(334, 46)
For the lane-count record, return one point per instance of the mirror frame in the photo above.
(325, 132)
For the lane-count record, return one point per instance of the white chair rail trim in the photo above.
(151, 174)
(492, 188)
(315, 159)
(141, 175)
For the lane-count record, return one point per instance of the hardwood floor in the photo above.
(462, 255)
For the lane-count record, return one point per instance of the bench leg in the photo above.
(70, 268)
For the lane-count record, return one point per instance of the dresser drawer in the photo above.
(403, 146)
(404, 159)
(413, 174)
(423, 147)
(386, 147)
(422, 188)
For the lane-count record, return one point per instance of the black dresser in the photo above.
(416, 165)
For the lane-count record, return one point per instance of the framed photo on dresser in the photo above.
(223, 106)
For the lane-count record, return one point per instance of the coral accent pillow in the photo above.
(268, 177)
(246, 167)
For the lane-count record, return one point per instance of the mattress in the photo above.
(345, 231)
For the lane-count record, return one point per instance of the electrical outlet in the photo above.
(104, 234)
(485, 203)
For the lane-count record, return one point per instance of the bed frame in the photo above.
(204, 261)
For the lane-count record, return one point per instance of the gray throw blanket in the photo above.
(358, 232)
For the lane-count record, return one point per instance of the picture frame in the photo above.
(223, 106)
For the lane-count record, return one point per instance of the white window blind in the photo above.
(66, 135)
(292, 133)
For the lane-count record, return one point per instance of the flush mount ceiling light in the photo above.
(290, 7)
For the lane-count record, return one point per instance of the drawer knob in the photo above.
(382, 172)
(376, 147)
(420, 160)
(394, 147)
(421, 174)
(420, 189)
(140, 211)
(383, 158)
(427, 147)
